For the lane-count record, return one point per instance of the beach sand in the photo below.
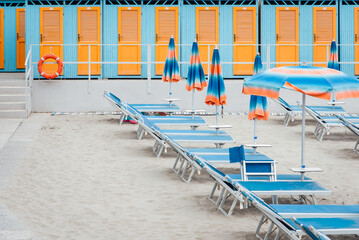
(87, 177)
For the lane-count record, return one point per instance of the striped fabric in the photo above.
(314, 81)
(216, 91)
(333, 56)
(171, 70)
(258, 105)
(195, 77)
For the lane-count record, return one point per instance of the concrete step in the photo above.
(12, 90)
(12, 113)
(12, 98)
(12, 83)
(12, 106)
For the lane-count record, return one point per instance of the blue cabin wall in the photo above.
(10, 21)
(268, 29)
(346, 53)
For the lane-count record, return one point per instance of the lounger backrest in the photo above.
(284, 103)
(354, 128)
(313, 233)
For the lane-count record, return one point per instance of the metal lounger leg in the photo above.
(140, 132)
(356, 146)
(185, 169)
(261, 222)
(189, 179)
(211, 195)
(155, 146)
(122, 118)
(270, 230)
(322, 133)
(160, 149)
(181, 166)
(278, 234)
(176, 162)
(286, 119)
(220, 196)
(315, 202)
(219, 145)
(317, 127)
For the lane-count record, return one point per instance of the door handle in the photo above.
(17, 36)
(40, 37)
(356, 37)
(119, 37)
(78, 37)
(197, 37)
(277, 37)
(315, 37)
(234, 37)
(156, 37)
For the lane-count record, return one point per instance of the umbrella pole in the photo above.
(193, 103)
(217, 130)
(170, 101)
(303, 136)
(255, 131)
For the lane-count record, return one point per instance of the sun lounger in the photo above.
(310, 231)
(291, 111)
(144, 108)
(354, 128)
(325, 123)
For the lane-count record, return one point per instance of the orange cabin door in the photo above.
(20, 38)
(324, 31)
(89, 32)
(206, 32)
(2, 58)
(356, 39)
(287, 32)
(244, 32)
(129, 32)
(166, 26)
(51, 20)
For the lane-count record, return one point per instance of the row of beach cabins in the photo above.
(110, 31)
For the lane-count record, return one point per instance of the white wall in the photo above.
(73, 96)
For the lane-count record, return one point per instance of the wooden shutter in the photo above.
(166, 24)
(51, 26)
(287, 26)
(207, 25)
(244, 25)
(21, 24)
(89, 26)
(129, 26)
(324, 26)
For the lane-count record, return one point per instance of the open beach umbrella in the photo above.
(258, 105)
(333, 56)
(216, 91)
(195, 78)
(313, 81)
(171, 70)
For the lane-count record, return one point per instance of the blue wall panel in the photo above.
(188, 35)
(110, 52)
(33, 34)
(226, 37)
(268, 34)
(70, 38)
(346, 19)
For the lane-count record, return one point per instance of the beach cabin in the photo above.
(297, 31)
(12, 36)
(349, 52)
(130, 31)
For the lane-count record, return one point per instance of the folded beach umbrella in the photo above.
(216, 92)
(171, 70)
(317, 82)
(333, 56)
(258, 105)
(195, 78)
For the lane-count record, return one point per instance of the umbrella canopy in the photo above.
(171, 70)
(216, 91)
(258, 105)
(333, 56)
(314, 81)
(195, 77)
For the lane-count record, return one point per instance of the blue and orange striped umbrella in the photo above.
(258, 105)
(258, 109)
(195, 78)
(171, 71)
(333, 56)
(216, 91)
(313, 81)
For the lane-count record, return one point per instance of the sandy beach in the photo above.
(87, 177)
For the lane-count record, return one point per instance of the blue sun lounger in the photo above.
(284, 219)
(353, 127)
(145, 108)
(310, 231)
(325, 123)
(291, 111)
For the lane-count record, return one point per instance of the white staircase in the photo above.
(12, 95)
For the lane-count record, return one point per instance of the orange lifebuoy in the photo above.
(60, 66)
